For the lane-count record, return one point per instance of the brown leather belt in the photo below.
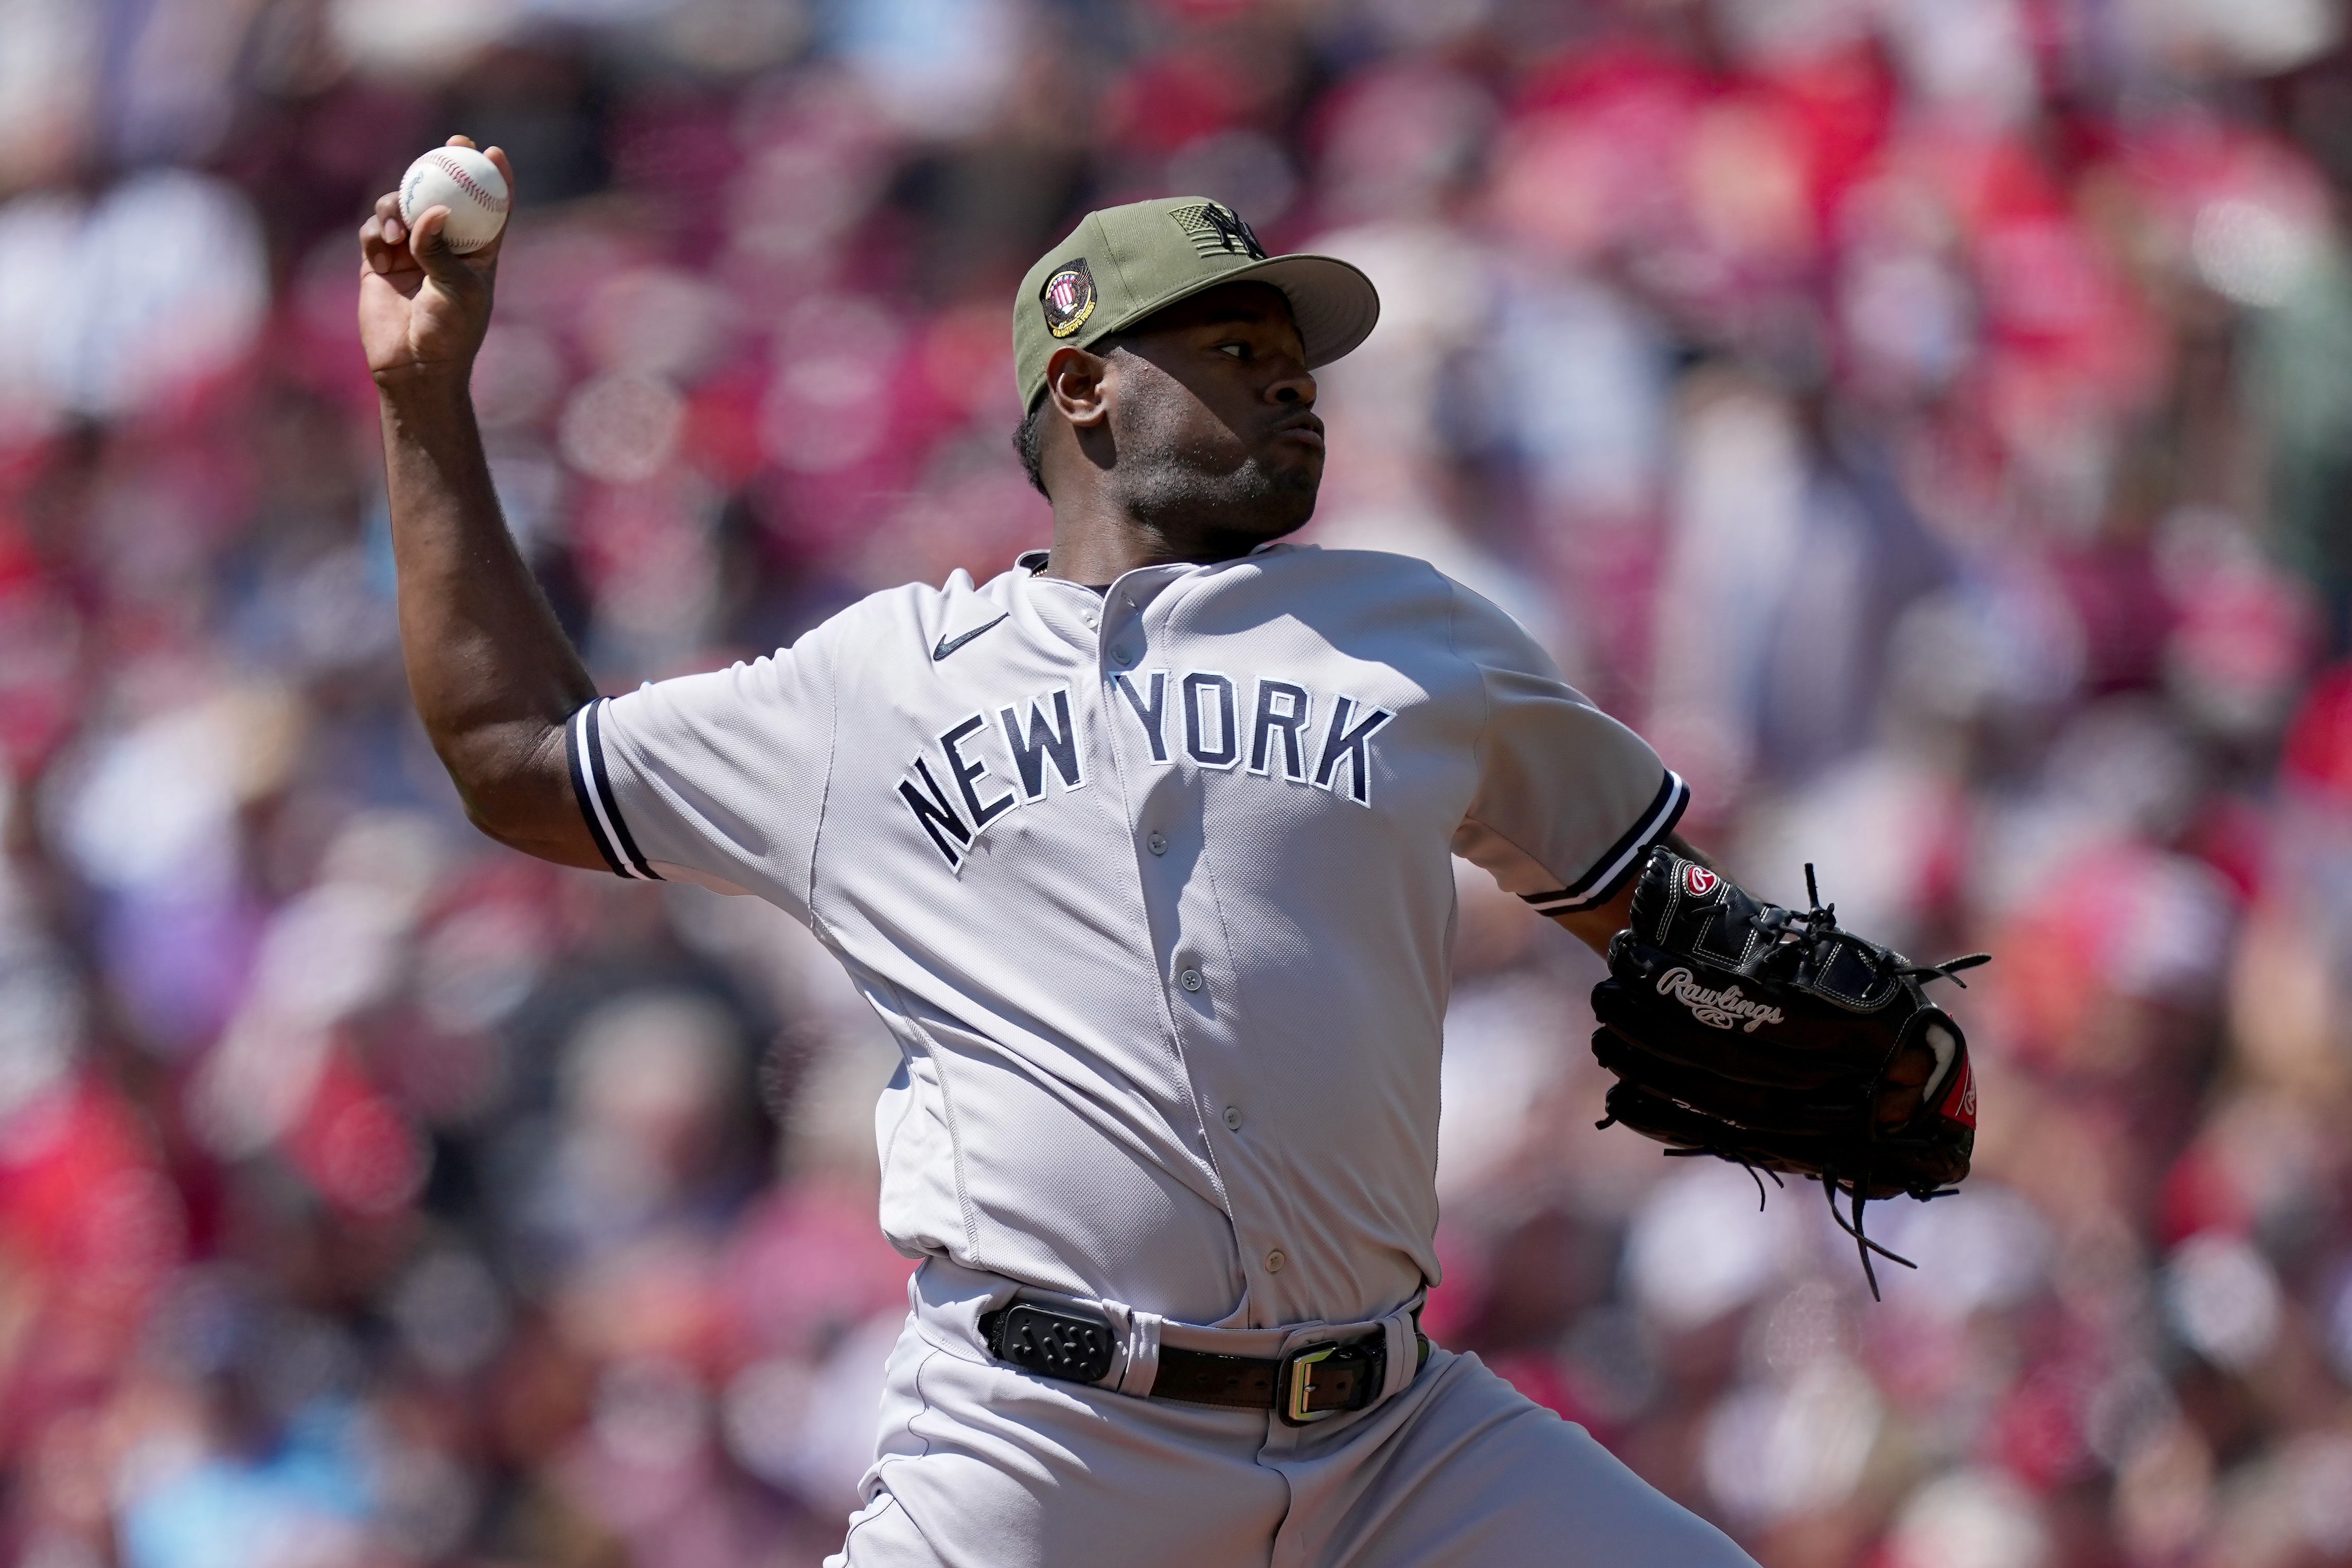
(1076, 1344)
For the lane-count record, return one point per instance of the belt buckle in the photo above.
(1324, 1381)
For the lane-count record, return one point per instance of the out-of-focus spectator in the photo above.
(1929, 422)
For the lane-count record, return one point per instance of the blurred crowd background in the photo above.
(1929, 420)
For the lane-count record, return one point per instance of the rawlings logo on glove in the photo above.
(1770, 1038)
(1717, 1009)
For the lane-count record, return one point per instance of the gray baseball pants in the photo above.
(983, 1465)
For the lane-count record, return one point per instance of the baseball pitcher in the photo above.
(1142, 849)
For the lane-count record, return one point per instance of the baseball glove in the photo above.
(1771, 1038)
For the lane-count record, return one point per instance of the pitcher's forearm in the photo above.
(491, 670)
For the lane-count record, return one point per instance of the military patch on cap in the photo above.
(1069, 298)
(1215, 229)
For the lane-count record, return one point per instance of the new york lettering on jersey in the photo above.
(990, 763)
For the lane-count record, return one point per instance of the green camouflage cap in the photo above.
(1121, 264)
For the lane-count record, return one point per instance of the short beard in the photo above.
(1178, 500)
(1189, 490)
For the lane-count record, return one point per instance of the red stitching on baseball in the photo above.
(456, 171)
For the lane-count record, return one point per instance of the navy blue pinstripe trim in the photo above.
(605, 793)
(572, 726)
(584, 752)
(1617, 865)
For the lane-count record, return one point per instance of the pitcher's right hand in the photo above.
(423, 306)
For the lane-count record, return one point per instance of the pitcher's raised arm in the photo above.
(492, 672)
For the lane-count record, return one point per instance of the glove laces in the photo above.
(1814, 932)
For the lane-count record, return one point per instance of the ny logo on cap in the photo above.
(1218, 230)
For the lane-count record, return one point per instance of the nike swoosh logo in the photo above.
(948, 645)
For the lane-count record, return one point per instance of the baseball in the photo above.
(465, 182)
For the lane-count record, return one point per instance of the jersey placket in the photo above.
(1143, 663)
(1128, 639)
(1115, 626)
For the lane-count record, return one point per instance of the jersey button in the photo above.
(1190, 980)
(1158, 843)
(1275, 1260)
(1120, 655)
(1234, 1117)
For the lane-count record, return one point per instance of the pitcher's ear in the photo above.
(1075, 385)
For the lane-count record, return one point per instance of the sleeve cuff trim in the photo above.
(585, 751)
(1609, 874)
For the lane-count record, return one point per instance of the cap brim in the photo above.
(1334, 304)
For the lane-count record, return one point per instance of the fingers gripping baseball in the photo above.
(450, 273)
(424, 307)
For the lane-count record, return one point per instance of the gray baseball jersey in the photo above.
(1153, 888)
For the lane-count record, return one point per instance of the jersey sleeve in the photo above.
(716, 779)
(1569, 800)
